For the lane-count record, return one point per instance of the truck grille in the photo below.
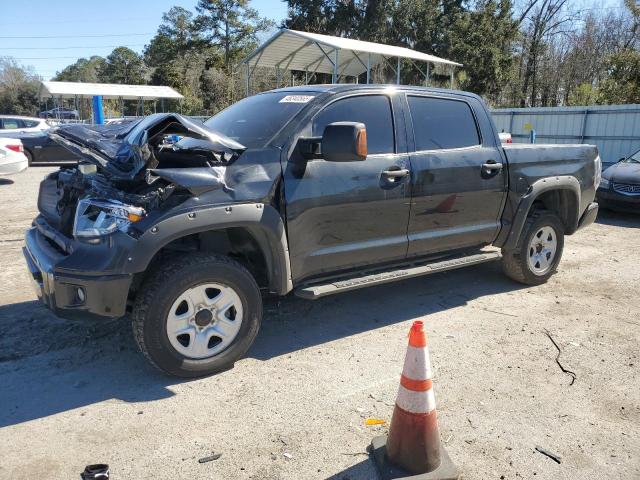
(48, 202)
(57, 212)
(627, 188)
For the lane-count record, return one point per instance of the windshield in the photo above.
(255, 120)
(635, 158)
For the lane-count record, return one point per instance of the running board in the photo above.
(313, 292)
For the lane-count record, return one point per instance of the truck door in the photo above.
(459, 180)
(347, 214)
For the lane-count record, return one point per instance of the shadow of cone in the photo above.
(412, 448)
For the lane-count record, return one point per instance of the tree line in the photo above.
(515, 53)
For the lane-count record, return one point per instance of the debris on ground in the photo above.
(99, 471)
(374, 421)
(555, 457)
(568, 372)
(210, 458)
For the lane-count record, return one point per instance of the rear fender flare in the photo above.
(533, 193)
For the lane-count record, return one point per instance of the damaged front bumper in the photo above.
(73, 294)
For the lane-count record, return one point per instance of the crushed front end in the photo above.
(92, 216)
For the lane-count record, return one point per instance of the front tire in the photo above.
(197, 315)
(540, 250)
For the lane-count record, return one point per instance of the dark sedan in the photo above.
(41, 150)
(620, 187)
(60, 112)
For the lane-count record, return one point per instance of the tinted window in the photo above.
(255, 120)
(440, 123)
(10, 123)
(30, 123)
(372, 110)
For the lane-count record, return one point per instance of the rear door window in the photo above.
(372, 110)
(440, 123)
(10, 123)
(30, 123)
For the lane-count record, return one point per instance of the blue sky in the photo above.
(133, 21)
(112, 23)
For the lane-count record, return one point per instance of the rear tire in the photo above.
(540, 250)
(196, 315)
(27, 154)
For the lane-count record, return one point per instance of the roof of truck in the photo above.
(345, 87)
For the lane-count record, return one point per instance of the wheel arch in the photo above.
(560, 195)
(29, 154)
(253, 234)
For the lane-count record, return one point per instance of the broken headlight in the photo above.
(97, 218)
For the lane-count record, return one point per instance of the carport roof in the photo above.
(106, 90)
(314, 52)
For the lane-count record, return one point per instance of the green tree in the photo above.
(482, 41)
(584, 94)
(232, 26)
(623, 83)
(310, 16)
(122, 65)
(176, 36)
(84, 70)
(18, 88)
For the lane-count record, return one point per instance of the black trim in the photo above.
(104, 296)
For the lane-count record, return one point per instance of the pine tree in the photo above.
(231, 25)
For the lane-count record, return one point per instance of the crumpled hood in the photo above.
(623, 172)
(125, 150)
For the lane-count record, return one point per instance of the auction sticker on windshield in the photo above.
(296, 99)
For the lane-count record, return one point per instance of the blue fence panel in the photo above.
(615, 129)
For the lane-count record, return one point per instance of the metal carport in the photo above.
(59, 91)
(316, 53)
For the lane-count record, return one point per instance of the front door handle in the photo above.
(492, 166)
(402, 172)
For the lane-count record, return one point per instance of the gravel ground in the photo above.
(295, 408)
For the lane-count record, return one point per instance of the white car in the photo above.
(505, 137)
(12, 157)
(22, 124)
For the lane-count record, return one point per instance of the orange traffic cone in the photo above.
(412, 448)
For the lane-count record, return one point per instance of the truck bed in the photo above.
(531, 162)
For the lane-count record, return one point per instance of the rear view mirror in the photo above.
(621, 159)
(344, 142)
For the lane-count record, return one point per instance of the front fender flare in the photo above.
(262, 220)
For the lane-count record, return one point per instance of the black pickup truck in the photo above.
(313, 190)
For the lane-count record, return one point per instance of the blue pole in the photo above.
(532, 136)
(98, 112)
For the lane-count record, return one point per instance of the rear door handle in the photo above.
(492, 166)
(403, 172)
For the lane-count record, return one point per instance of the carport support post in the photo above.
(248, 79)
(98, 113)
(451, 78)
(334, 77)
(398, 72)
(426, 83)
(368, 69)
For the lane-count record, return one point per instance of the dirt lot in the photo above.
(79, 393)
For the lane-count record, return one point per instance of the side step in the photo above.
(313, 292)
